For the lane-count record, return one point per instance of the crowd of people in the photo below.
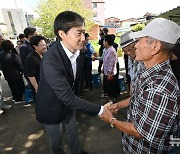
(58, 73)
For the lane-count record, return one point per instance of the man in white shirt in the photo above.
(59, 86)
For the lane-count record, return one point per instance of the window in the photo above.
(94, 14)
(94, 5)
(11, 21)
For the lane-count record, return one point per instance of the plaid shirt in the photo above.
(154, 111)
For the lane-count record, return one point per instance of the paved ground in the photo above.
(20, 133)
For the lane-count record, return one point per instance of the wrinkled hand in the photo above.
(107, 115)
(108, 104)
(114, 108)
(110, 77)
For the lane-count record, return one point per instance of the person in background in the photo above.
(115, 45)
(2, 104)
(175, 61)
(102, 34)
(22, 37)
(25, 48)
(33, 60)
(126, 57)
(135, 67)
(59, 86)
(16, 50)
(1, 39)
(90, 55)
(153, 111)
(110, 78)
(12, 69)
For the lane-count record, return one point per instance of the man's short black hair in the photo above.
(86, 35)
(105, 30)
(21, 36)
(67, 20)
(19, 41)
(29, 31)
(109, 39)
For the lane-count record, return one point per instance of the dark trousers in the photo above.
(33, 92)
(55, 134)
(111, 87)
(99, 66)
(88, 75)
(17, 89)
(128, 78)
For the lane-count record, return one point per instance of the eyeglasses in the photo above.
(42, 45)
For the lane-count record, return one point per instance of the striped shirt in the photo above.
(134, 68)
(154, 111)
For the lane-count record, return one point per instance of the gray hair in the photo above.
(165, 47)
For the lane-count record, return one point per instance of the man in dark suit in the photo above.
(59, 86)
(26, 48)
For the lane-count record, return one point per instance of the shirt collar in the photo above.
(69, 53)
(159, 67)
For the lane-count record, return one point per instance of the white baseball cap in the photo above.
(160, 29)
(126, 39)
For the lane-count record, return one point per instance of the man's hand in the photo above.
(93, 58)
(114, 108)
(107, 115)
(108, 104)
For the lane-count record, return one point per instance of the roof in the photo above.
(112, 18)
(98, 1)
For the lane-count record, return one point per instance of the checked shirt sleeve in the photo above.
(156, 114)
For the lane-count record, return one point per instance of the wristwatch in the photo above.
(111, 123)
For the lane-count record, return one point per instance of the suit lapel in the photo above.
(65, 59)
(79, 65)
(28, 45)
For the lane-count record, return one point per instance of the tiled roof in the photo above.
(98, 1)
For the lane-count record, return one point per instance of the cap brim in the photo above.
(123, 46)
(137, 35)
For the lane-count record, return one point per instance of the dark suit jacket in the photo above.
(25, 50)
(57, 89)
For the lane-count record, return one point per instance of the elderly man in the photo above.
(153, 113)
(134, 67)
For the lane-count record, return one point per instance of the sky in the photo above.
(121, 9)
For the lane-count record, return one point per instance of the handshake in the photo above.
(109, 110)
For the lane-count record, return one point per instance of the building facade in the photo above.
(112, 21)
(13, 22)
(97, 7)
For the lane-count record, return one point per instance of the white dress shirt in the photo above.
(72, 57)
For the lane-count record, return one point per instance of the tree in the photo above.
(47, 10)
(137, 27)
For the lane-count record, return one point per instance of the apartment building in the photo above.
(12, 21)
(97, 7)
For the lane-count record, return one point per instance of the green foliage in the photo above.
(95, 44)
(117, 40)
(119, 52)
(47, 10)
(173, 15)
(137, 27)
